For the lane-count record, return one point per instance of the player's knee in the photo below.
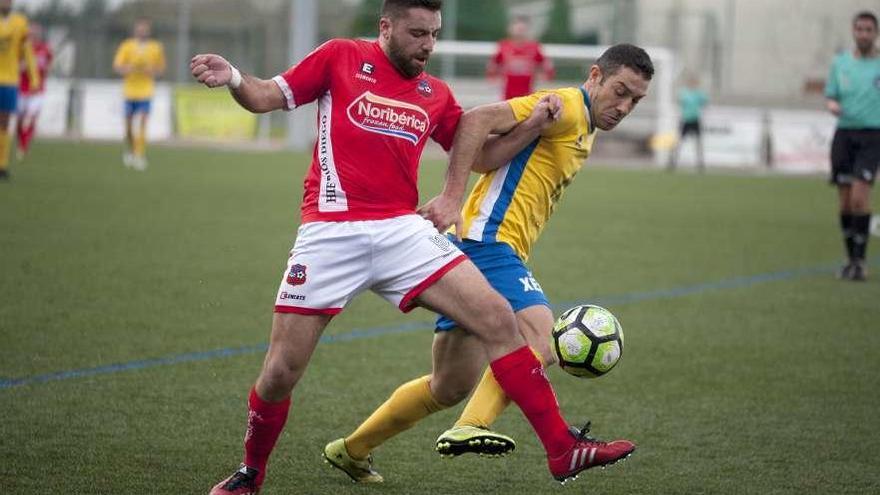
(449, 392)
(280, 376)
(495, 318)
(860, 203)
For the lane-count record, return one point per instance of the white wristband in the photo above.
(235, 80)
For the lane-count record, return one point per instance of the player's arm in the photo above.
(545, 65)
(30, 61)
(252, 93)
(474, 128)
(500, 150)
(159, 68)
(832, 91)
(493, 66)
(120, 61)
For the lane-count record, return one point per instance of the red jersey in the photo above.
(373, 124)
(43, 56)
(517, 62)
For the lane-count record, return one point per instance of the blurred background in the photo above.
(762, 68)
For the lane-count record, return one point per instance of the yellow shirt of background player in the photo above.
(145, 60)
(513, 203)
(14, 46)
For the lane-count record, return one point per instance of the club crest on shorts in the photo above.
(296, 275)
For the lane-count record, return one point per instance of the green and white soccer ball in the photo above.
(588, 341)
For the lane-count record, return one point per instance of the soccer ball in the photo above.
(588, 341)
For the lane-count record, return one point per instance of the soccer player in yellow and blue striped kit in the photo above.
(139, 60)
(502, 218)
(14, 48)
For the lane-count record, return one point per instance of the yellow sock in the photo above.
(4, 150)
(487, 402)
(140, 143)
(411, 402)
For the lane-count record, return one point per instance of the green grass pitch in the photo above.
(748, 368)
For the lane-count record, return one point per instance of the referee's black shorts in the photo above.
(692, 127)
(855, 154)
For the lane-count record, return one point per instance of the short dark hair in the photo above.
(625, 55)
(866, 14)
(396, 8)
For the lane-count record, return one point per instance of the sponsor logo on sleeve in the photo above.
(389, 117)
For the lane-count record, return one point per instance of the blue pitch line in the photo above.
(731, 283)
(365, 333)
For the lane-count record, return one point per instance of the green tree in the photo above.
(559, 25)
(367, 19)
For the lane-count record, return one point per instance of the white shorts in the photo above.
(30, 104)
(331, 262)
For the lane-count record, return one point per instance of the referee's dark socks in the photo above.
(846, 225)
(861, 225)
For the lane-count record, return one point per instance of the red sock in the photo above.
(265, 422)
(523, 379)
(28, 135)
(20, 131)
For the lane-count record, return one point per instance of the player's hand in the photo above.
(443, 211)
(211, 70)
(833, 106)
(547, 112)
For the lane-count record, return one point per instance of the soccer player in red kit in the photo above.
(361, 231)
(518, 59)
(30, 99)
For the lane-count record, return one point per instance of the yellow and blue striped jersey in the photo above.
(513, 203)
(145, 59)
(15, 47)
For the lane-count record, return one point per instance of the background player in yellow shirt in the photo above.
(502, 218)
(139, 60)
(14, 47)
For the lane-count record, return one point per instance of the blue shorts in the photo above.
(506, 273)
(8, 99)
(136, 106)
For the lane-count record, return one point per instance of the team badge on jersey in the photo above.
(393, 118)
(367, 68)
(424, 88)
(296, 275)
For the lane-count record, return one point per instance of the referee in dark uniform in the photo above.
(853, 95)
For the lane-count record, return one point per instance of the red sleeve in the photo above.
(310, 78)
(444, 133)
(539, 54)
(546, 63)
(494, 64)
(498, 58)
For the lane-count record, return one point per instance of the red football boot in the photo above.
(586, 453)
(242, 482)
